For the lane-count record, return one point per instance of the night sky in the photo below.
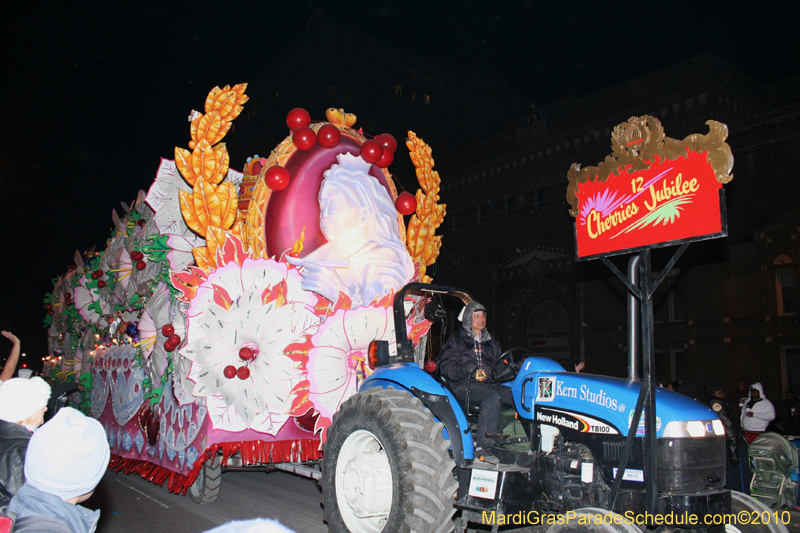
(95, 93)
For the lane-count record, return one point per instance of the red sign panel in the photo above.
(638, 198)
(671, 201)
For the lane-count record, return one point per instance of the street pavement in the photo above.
(129, 504)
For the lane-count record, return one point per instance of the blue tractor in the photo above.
(400, 455)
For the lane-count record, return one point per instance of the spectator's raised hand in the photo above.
(10, 336)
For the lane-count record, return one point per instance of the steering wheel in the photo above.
(505, 369)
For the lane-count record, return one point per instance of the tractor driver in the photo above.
(469, 355)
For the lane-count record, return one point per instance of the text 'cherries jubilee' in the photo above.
(298, 118)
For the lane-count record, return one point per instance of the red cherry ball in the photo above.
(243, 372)
(168, 330)
(276, 178)
(387, 140)
(329, 136)
(136, 255)
(229, 372)
(298, 118)
(371, 151)
(174, 339)
(406, 204)
(101, 283)
(386, 159)
(304, 138)
(430, 366)
(246, 353)
(141, 265)
(168, 346)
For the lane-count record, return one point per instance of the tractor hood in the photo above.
(588, 403)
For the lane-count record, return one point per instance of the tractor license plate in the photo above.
(483, 484)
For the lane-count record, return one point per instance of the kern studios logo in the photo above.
(546, 391)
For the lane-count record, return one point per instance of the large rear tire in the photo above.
(761, 518)
(386, 467)
(208, 482)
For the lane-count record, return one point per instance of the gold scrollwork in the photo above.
(640, 142)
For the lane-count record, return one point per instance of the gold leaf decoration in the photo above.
(210, 209)
(187, 210)
(421, 240)
(641, 142)
(253, 228)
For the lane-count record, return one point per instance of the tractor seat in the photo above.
(474, 409)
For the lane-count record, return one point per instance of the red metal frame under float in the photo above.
(255, 452)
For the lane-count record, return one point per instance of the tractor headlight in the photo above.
(693, 428)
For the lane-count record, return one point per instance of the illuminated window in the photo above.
(427, 100)
(398, 90)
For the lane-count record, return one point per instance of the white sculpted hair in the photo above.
(352, 178)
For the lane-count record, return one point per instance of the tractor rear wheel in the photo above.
(386, 467)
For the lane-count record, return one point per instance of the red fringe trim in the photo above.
(254, 452)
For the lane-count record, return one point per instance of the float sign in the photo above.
(652, 191)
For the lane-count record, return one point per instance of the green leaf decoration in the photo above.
(95, 306)
(158, 248)
(133, 218)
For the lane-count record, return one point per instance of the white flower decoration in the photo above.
(229, 313)
(340, 347)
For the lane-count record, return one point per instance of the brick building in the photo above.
(727, 309)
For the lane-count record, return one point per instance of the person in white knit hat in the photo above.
(23, 403)
(59, 477)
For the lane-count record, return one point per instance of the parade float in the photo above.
(229, 314)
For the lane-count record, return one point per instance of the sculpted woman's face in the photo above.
(340, 219)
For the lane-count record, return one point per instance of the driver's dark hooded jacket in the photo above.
(459, 349)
